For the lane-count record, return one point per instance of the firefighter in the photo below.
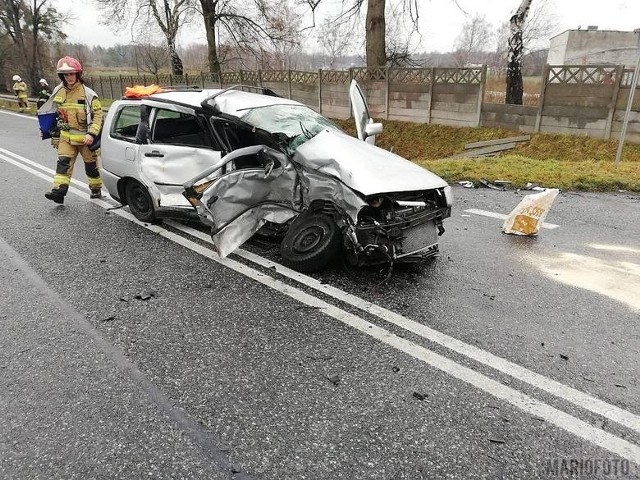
(79, 122)
(44, 92)
(20, 90)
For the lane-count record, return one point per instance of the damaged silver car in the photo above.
(276, 162)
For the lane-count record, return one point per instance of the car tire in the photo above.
(139, 201)
(311, 243)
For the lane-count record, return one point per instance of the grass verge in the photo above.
(560, 161)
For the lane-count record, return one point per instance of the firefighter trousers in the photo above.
(67, 155)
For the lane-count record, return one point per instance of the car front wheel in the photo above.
(311, 243)
(140, 203)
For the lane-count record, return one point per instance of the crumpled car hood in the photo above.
(364, 167)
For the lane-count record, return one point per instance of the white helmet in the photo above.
(43, 81)
(16, 78)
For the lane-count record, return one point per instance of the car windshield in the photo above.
(298, 123)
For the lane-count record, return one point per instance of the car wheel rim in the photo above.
(140, 200)
(308, 239)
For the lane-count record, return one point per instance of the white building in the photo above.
(592, 46)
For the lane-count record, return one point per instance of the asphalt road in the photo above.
(129, 350)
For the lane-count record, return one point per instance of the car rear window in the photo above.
(126, 124)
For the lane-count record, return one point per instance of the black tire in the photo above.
(311, 243)
(139, 201)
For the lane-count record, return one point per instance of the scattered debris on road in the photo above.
(487, 184)
(146, 294)
(419, 396)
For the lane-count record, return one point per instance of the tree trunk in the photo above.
(514, 63)
(209, 16)
(375, 25)
(176, 63)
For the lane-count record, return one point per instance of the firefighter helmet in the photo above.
(43, 81)
(68, 65)
(16, 78)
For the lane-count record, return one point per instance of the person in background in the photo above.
(80, 122)
(44, 92)
(20, 90)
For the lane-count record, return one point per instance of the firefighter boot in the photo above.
(55, 195)
(96, 193)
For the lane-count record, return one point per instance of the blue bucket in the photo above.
(47, 121)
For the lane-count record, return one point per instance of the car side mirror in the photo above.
(372, 129)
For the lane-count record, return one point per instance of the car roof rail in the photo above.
(242, 88)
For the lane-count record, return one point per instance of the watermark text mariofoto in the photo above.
(562, 467)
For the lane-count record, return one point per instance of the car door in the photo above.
(179, 147)
(366, 128)
(260, 185)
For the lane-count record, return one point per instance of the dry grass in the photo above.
(562, 161)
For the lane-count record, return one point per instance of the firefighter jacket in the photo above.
(20, 89)
(79, 112)
(44, 92)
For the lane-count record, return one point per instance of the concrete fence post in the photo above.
(387, 73)
(432, 82)
(481, 87)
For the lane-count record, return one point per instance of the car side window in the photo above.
(126, 124)
(176, 128)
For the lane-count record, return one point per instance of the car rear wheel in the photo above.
(139, 201)
(311, 243)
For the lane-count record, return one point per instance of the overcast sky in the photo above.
(441, 20)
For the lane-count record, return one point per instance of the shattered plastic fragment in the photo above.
(146, 294)
(335, 379)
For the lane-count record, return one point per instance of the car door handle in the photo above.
(154, 153)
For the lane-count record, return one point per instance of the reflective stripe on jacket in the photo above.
(79, 111)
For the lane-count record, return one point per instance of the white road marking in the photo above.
(578, 398)
(502, 216)
(579, 428)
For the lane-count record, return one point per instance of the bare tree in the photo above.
(334, 40)
(169, 15)
(25, 24)
(474, 38)
(516, 51)
(247, 25)
(376, 34)
(151, 58)
(540, 24)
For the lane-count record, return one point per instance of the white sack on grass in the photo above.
(527, 217)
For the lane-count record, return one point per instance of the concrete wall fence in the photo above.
(588, 100)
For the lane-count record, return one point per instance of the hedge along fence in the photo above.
(574, 99)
